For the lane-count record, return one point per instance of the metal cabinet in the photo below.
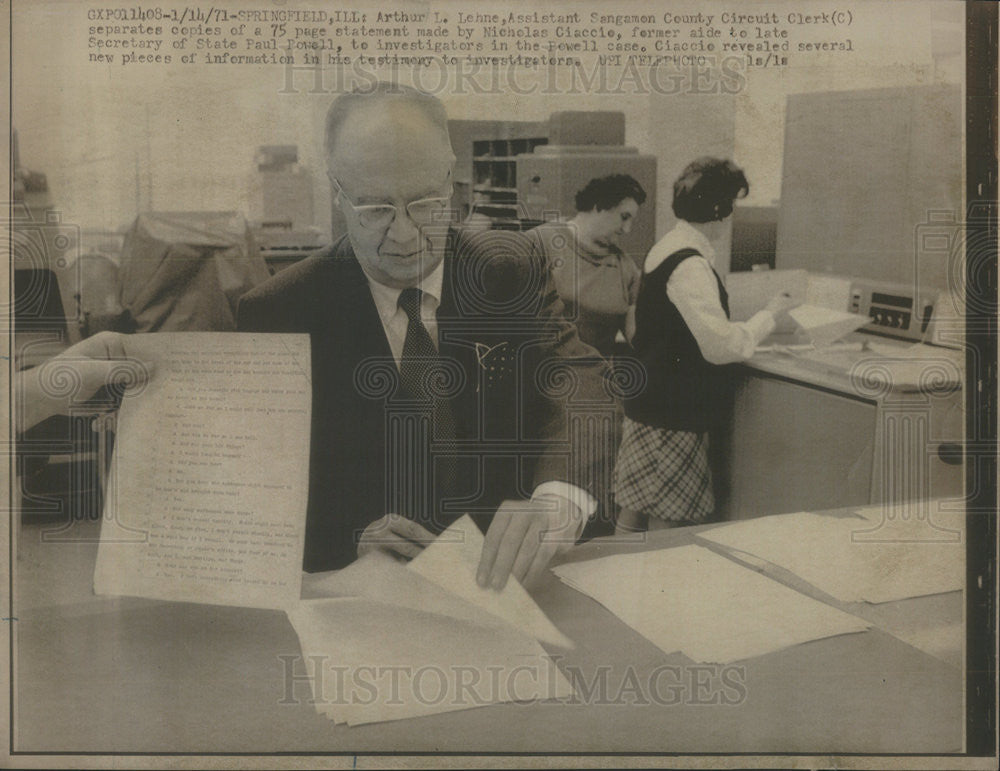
(793, 446)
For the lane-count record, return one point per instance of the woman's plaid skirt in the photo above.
(664, 473)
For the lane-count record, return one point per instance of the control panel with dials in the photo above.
(893, 310)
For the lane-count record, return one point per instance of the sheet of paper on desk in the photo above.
(825, 326)
(915, 520)
(854, 559)
(451, 562)
(370, 662)
(692, 600)
(207, 494)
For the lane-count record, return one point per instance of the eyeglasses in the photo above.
(379, 216)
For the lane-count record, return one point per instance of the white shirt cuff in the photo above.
(761, 324)
(584, 502)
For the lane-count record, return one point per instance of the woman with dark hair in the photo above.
(596, 281)
(684, 339)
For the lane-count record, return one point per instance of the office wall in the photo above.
(152, 141)
(683, 127)
(865, 172)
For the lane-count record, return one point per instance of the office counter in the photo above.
(841, 429)
(99, 674)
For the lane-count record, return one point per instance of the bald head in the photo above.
(390, 147)
(392, 97)
(382, 141)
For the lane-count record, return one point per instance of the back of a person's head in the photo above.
(603, 193)
(381, 93)
(707, 188)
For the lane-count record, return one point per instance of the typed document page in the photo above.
(206, 498)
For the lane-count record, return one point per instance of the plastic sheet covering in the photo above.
(187, 271)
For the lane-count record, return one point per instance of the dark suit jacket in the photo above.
(530, 400)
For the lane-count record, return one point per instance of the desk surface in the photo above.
(831, 369)
(96, 674)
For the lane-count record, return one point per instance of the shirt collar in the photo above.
(387, 298)
(696, 240)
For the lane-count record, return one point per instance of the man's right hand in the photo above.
(401, 537)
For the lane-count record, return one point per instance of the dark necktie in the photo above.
(423, 447)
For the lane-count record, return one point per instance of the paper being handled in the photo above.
(442, 580)
(378, 617)
(824, 326)
(451, 563)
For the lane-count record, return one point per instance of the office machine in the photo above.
(895, 310)
(876, 418)
(871, 210)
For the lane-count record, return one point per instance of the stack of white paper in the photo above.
(708, 607)
(825, 326)
(857, 559)
(378, 576)
(372, 661)
(392, 641)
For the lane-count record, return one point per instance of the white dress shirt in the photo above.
(692, 288)
(394, 319)
(395, 323)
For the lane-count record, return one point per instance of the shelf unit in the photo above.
(486, 164)
(494, 174)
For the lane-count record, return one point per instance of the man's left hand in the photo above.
(523, 538)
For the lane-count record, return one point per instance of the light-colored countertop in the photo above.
(862, 366)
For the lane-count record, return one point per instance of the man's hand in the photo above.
(395, 534)
(523, 538)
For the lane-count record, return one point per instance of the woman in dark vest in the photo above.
(684, 339)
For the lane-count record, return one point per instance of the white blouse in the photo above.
(692, 288)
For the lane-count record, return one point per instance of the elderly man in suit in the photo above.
(431, 396)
